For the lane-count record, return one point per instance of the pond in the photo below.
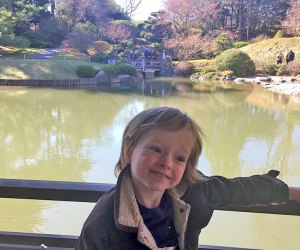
(75, 135)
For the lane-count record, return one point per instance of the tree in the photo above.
(72, 12)
(155, 27)
(26, 13)
(80, 40)
(292, 22)
(7, 22)
(190, 47)
(186, 16)
(129, 6)
(251, 17)
(115, 32)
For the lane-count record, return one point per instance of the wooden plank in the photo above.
(47, 240)
(91, 192)
(289, 208)
(52, 190)
(19, 241)
(30, 247)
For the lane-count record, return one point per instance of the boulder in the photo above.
(263, 79)
(239, 80)
(102, 78)
(125, 79)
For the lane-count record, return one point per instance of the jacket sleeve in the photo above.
(244, 191)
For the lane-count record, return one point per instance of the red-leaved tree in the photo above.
(190, 47)
(187, 16)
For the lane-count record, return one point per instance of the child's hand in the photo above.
(294, 194)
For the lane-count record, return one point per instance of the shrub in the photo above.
(110, 70)
(125, 68)
(208, 69)
(18, 42)
(227, 73)
(184, 68)
(237, 61)
(100, 58)
(240, 44)
(259, 38)
(85, 71)
(222, 43)
(293, 68)
(140, 41)
(35, 43)
(80, 40)
(212, 75)
(102, 47)
(279, 34)
(270, 69)
(282, 71)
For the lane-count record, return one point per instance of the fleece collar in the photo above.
(128, 217)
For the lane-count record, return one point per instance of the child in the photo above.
(161, 201)
(279, 57)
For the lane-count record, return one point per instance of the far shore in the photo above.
(288, 85)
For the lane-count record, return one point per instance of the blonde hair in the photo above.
(166, 118)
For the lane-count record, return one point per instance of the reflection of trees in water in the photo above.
(59, 129)
(273, 101)
(156, 88)
(49, 134)
(236, 126)
(41, 128)
(230, 131)
(230, 123)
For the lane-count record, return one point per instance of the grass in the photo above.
(12, 52)
(265, 51)
(40, 69)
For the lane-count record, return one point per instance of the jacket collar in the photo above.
(128, 217)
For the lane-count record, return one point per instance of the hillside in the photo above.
(266, 50)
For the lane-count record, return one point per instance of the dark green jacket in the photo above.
(116, 224)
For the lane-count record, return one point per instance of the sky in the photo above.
(146, 7)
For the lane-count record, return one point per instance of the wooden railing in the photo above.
(83, 192)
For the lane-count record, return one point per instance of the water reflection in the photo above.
(74, 135)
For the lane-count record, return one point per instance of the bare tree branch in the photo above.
(129, 6)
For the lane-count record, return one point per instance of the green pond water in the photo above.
(75, 135)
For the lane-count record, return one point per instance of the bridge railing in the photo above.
(154, 64)
(84, 192)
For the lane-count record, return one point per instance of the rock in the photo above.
(102, 78)
(193, 77)
(264, 79)
(125, 79)
(239, 80)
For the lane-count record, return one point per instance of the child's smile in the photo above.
(159, 159)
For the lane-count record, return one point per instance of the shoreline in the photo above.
(287, 85)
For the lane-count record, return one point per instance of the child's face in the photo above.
(159, 159)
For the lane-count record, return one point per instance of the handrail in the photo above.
(85, 192)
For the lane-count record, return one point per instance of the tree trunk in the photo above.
(241, 20)
(249, 19)
(53, 8)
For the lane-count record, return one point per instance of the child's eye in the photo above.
(156, 149)
(180, 158)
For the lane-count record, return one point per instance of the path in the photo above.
(47, 54)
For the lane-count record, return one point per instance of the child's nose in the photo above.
(166, 161)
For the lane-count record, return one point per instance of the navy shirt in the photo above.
(160, 222)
